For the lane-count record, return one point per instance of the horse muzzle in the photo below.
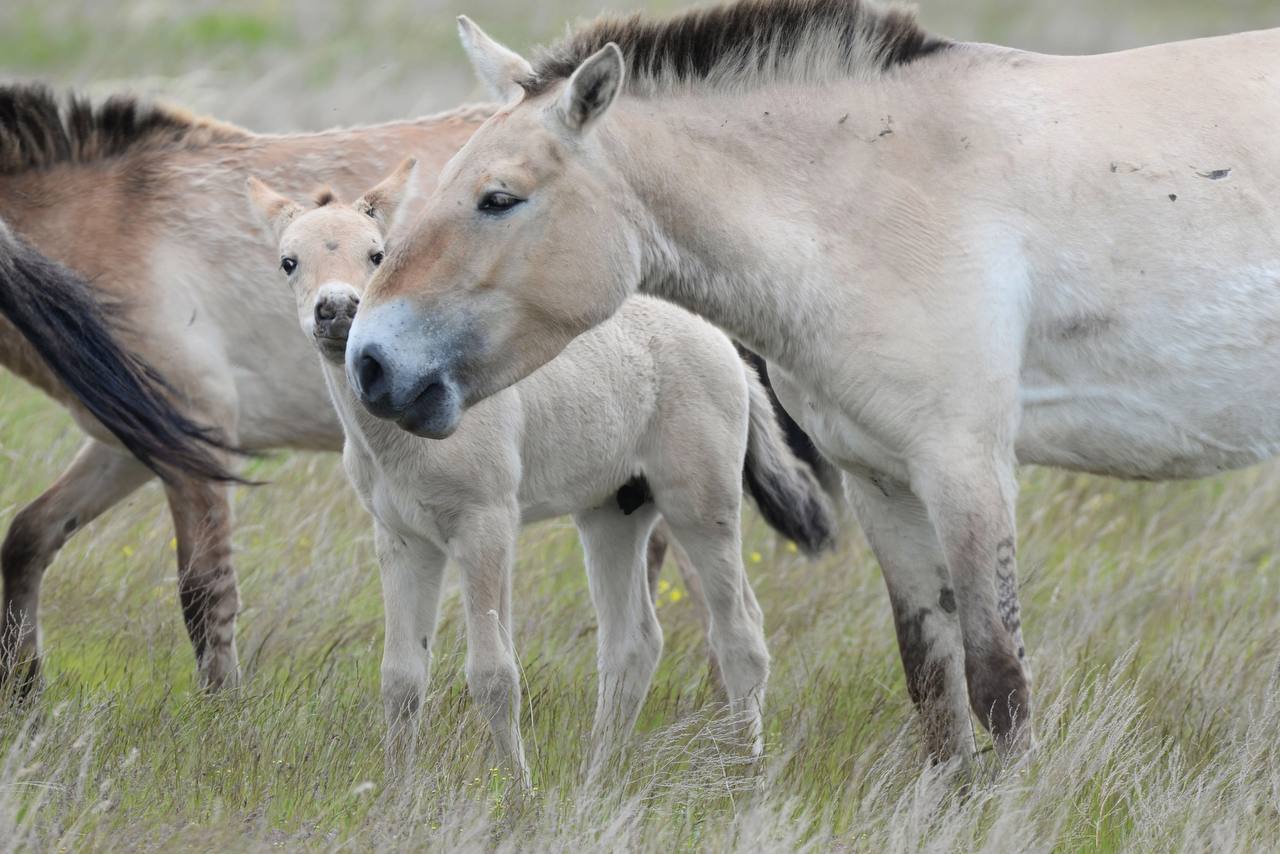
(399, 376)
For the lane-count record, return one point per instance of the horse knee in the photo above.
(27, 549)
(636, 651)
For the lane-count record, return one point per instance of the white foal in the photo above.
(652, 413)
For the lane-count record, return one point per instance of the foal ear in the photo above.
(275, 210)
(593, 88)
(384, 201)
(498, 67)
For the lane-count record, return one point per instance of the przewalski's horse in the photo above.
(652, 413)
(118, 192)
(147, 204)
(63, 337)
(959, 257)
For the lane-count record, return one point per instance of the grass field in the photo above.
(1152, 612)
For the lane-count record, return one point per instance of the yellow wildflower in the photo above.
(663, 585)
(756, 557)
(677, 595)
(127, 551)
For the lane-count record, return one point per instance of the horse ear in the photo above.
(592, 88)
(275, 210)
(498, 67)
(384, 201)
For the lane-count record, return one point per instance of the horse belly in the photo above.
(1159, 429)
(585, 414)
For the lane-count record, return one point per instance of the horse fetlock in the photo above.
(219, 667)
(496, 690)
(403, 692)
(20, 672)
(1000, 694)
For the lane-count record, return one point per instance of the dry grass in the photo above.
(1151, 610)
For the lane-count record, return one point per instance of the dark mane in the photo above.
(36, 132)
(324, 197)
(745, 43)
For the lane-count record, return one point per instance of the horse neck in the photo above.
(728, 232)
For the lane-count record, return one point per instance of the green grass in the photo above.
(1151, 619)
(1151, 611)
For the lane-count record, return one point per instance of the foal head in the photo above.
(328, 253)
(529, 241)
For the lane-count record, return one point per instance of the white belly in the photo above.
(1178, 382)
(1142, 434)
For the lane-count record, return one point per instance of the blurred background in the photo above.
(281, 65)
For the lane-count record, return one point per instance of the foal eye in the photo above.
(288, 265)
(499, 202)
(376, 258)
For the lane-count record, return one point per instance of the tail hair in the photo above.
(73, 329)
(785, 488)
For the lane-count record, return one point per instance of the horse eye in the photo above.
(499, 202)
(376, 258)
(288, 265)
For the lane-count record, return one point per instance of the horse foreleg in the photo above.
(484, 547)
(206, 578)
(99, 477)
(972, 503)
(924, 610)
(412, 571)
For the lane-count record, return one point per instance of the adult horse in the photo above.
(959, 257)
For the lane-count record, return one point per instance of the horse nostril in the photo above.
(369, 372)
(325, 310)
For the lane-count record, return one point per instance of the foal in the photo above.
(652, 413)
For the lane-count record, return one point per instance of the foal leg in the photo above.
(206, 578)
(660, 543)
(971, 500)
(411, 570)
(629, 641)
(924, 609)
(99, 477)
(483, 545)
(706, 521)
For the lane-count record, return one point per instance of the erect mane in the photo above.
(37, 132)
(324, 197)
(745, 43)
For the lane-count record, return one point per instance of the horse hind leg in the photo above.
(206, 578)
(629, 640)
(99, 477)
(662, 543)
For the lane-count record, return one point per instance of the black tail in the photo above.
(785, 488)
(827, 473)
(71, 328)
